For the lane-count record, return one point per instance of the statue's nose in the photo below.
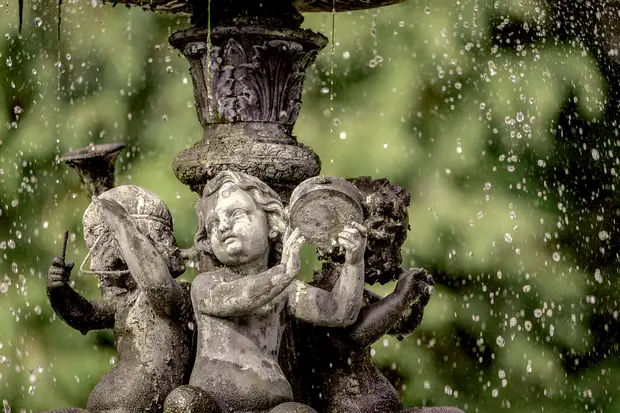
(224, 225)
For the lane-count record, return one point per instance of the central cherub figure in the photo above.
(240, 307)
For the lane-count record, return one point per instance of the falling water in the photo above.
(376, 58)
(475, 14)
(331, 62)
(209, 45)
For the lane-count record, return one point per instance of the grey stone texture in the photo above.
(247, 336)
(241, 304)
(133, 252)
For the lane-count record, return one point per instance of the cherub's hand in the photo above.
(290, 252)
(59, 273)
(114, 215)
(353, 239)
(416, 284)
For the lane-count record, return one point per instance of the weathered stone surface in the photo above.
(321, 206)
(247, 88)
(95, 166)
(189, 7)
(331, 369)
(240, 305)
(133, 252)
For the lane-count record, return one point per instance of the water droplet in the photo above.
(595, 154)
(527, 288)
(556, 256)
(38, 21)
(603, 235)
(495, 392)
(346, 55)
(598, 276)
(9, 61)
(508, 238)
(513, 321)
(520, 117)
(538, 313)
(501, 374)
(112, 360)
(343, 135)
(37, 310)
(427, 10)
(325, 90)
(500, 341)
(528, 325)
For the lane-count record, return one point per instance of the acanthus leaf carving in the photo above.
(263, 84)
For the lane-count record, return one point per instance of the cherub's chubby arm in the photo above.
(397, 314)
(340, 306)
(145, 263)
(75, 310)
(220, 298)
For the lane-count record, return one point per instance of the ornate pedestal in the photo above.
(247, 86)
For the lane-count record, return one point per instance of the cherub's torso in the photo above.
(237, 357)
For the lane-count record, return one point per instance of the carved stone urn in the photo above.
(248, 61)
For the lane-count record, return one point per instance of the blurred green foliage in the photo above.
(502, 129)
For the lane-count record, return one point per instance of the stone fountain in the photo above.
(247, 61)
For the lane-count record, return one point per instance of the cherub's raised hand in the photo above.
(416, 284)
(290, 252)
(353, 239)
(114, 215)
(59, 273)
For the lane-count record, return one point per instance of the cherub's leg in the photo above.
(292, 407)
(190, 399)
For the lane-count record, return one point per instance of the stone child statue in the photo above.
(128, 231)
(332, 370)
(240, 307)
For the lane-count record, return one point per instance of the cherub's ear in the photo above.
(273, 233)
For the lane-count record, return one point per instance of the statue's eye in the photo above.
(238, 214)
(212, 225)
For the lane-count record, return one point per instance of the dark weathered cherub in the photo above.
(332, 369)
(128, 231)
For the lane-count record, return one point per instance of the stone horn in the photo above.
(95, 165)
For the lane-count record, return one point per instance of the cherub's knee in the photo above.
(190, 399)
(292, 407)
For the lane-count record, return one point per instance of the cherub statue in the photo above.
(128, 231)
(337, 362)
(240, 306)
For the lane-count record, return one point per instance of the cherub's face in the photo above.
(105, 254)
(237, 228)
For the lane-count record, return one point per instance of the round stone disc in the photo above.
(321, 206)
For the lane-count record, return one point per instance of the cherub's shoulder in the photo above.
(217, 275)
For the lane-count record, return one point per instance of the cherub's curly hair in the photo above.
(263, 195)
(387, 222)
